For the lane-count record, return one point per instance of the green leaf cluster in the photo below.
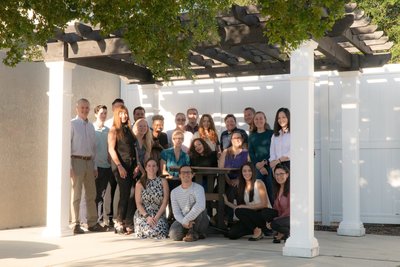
(161, 33)
(386, 14)
(290, 22)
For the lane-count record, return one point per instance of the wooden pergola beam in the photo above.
(105, 47)
(115, 66)
(335, 52)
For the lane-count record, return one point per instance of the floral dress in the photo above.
(152, 198)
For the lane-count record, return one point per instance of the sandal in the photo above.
(129, 230)
(261, 236)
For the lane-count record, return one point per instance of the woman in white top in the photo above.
(280, 141)
(251, 198)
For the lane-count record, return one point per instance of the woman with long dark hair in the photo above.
(251, 199)
(207, 132)
(278, 218)
(280, 141)
(121, 146)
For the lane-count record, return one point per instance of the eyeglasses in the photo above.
(280, 174)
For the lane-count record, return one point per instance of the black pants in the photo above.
(126, 205)
(281, 225)
(248, 220)
(103, 178)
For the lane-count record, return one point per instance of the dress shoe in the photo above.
(261, 236)
(277, 240)
(191, 236)
(78, 230)
(98, 228)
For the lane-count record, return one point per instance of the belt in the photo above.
(81, 157)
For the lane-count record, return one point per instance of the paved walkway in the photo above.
(27, 248)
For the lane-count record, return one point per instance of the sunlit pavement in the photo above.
(27, 248)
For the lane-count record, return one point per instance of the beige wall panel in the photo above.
(23, 140)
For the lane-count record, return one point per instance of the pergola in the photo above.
(351, 45)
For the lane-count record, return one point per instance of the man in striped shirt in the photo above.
(189, 209)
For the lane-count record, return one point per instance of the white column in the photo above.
(351, 224)
(59, 149)
(302, 242)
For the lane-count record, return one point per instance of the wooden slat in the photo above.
(87, 32)
(354, 39)
(364, 21)
(363, 30)
(380, 47)
(106, 47)
(116, 67)
(370, 36)
(379, 41)
(242, 34)
(240, 13)
(67, 37)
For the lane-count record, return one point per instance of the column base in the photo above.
(301, 250)
(57, 232)
(351, 229)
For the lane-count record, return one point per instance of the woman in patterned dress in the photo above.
(151, 195)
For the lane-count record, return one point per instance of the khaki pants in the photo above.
(84, 177)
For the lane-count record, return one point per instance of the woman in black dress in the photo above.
(121, 146)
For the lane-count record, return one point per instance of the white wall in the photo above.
(24, 107)
(379, 128)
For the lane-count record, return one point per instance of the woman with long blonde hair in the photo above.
(144, 142)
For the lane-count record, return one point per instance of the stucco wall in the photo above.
(23, 141)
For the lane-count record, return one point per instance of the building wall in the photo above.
(379, 129)
(23, 142)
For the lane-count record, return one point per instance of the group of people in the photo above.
(153, 171)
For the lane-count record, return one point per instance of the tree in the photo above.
(160, 33)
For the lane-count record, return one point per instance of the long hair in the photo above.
(286, 186)
(147, 138)
(254, 129)
(277, 127)
(242, 184)
(118, 123)
(212, 131)
(143, 179)
(192, 151)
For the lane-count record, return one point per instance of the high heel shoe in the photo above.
(277, 240)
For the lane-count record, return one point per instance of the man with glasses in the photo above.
(189, 208)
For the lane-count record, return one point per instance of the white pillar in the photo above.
(59, 149)
(302, 242)
(351, 224)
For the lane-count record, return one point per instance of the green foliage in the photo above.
(157, 33)
(292, 21)
(386, 14)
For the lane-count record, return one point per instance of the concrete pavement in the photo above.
(27, 248)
